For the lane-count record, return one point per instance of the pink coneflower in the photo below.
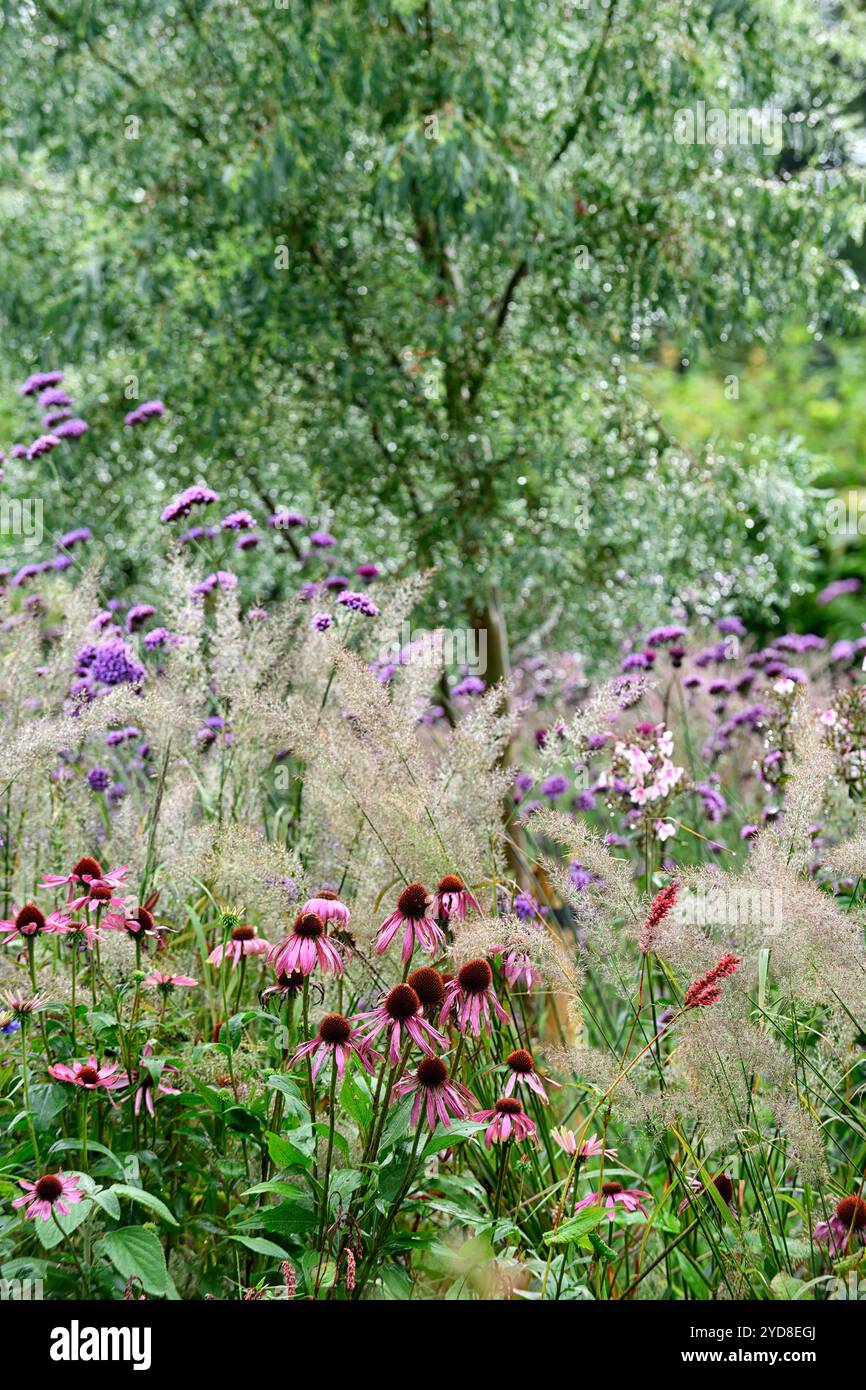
(847, 1223)
(336, 1037)
(90, 1075)
(432, 1087)
(146, 1084)
(31, 921)
(286, 986)
(400, 1011)
(166, 982)
(413, 913)
(137, 923)
(306, 948)
(507, 1119)
(242, 941)
(663, 903)
(470, 996)
(721, 1182)
(517, 966)
(590, 1148)
(53, 1192)
(452, 898)
(328, 907)
(705, 991)
(85, 872)
(613, 1194)
(429, 986)
(521, 1072)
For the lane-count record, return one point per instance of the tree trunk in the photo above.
(488, 623)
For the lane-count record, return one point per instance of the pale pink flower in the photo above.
(400, 1012)
(160, 979)
(53, 1192)
(32, 921)
(452, 898)
(517, 966)
(613, 1194)
(86, 871)
(590, 1148)
(506, 1120)
(306, 948)
(415, 915)
(431, 1086)
(146, 1084)
(90, 1075)
(327, 906)
(242, 941)
(521, 1072)
(336, 1037)
(470, 997)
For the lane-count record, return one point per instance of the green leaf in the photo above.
(135, 1250)
(145, 1199)
(260, 1246)
(47, 1232)
(576, 1230)
(285, 1154)
(290, 1219)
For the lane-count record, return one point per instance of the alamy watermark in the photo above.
(732, 907)
(698, 125)
(22, 517)
(461, 647)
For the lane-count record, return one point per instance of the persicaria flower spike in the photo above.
(662, 904)
(705, 991)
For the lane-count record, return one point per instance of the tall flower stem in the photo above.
(25, 1070)
(332, 1107)
(506, 1150)
(384, 1230)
